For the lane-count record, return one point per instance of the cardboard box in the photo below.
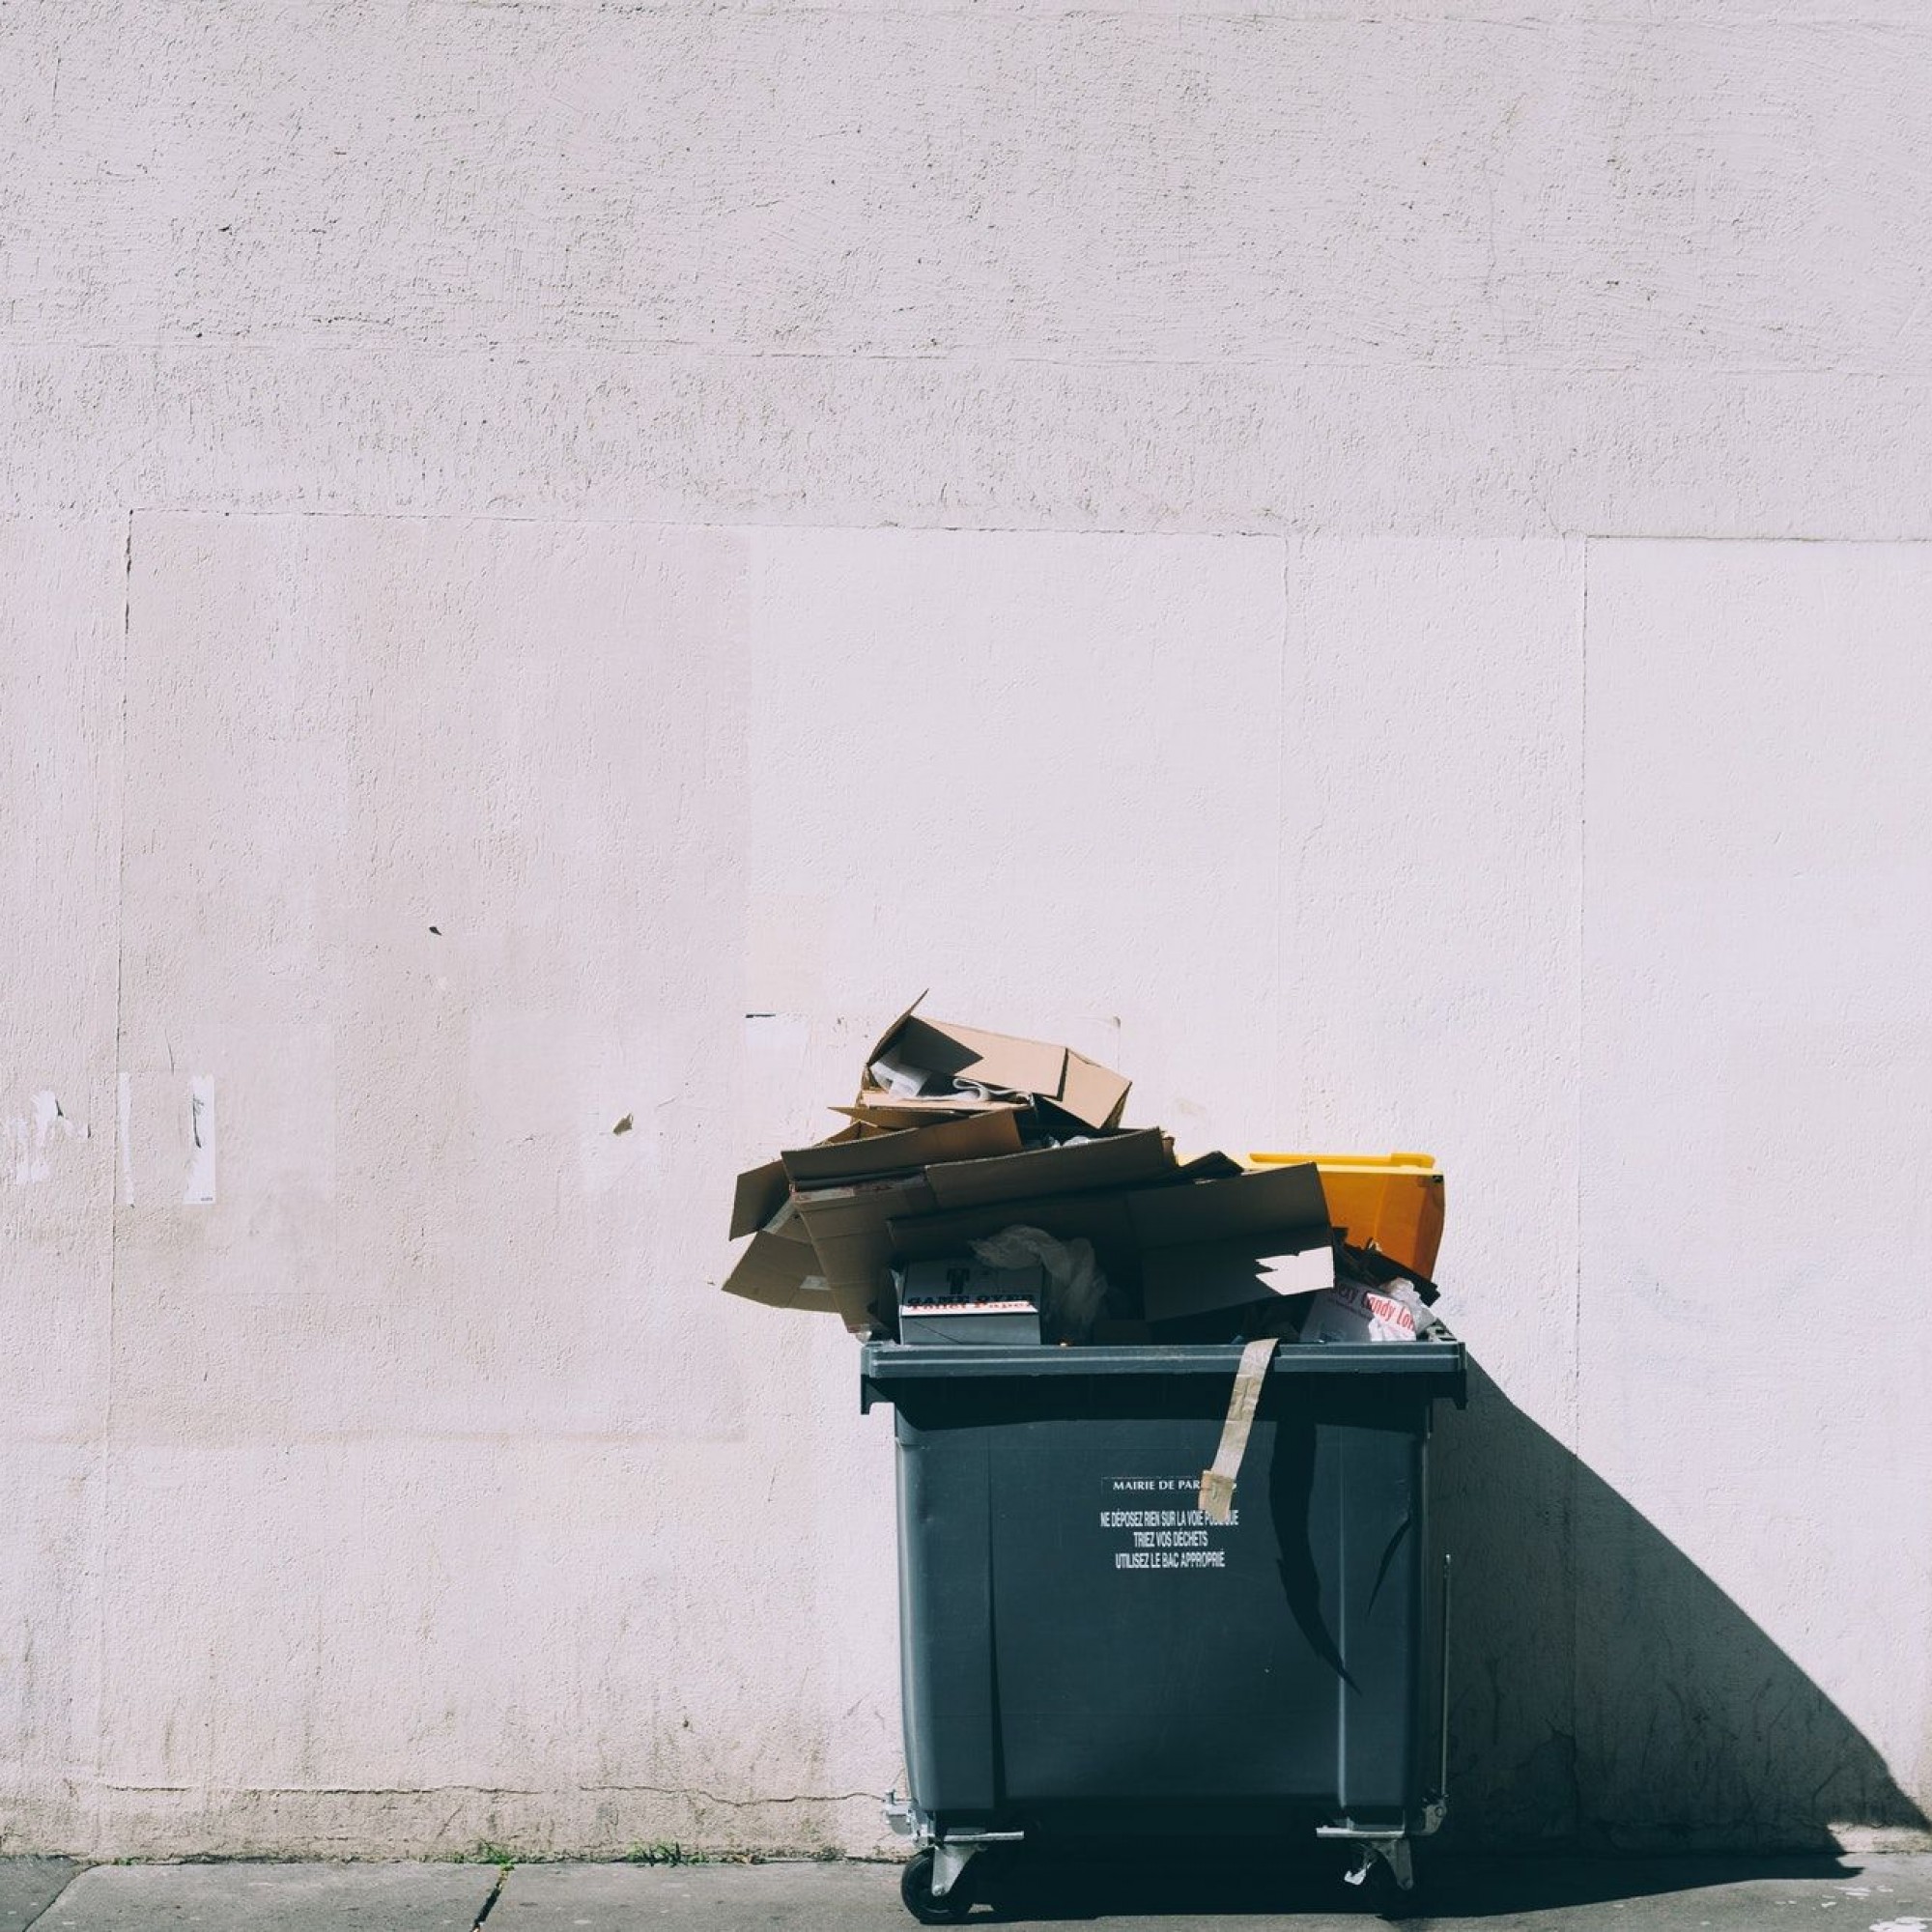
(939, 1053)
(961, 1303)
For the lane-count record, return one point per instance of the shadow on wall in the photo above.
(1606, 1693)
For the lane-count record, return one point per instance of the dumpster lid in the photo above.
(887, 1367)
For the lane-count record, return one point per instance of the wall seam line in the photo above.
(122, 1163)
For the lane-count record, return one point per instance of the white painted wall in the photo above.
(1187, 528)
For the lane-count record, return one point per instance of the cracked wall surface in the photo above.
(1368, 566)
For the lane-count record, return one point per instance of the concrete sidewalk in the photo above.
(1877, 1893)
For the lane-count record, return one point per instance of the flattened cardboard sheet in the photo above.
(1275, 1200)
(1226, 1243)
(1092, 1094)
(988, 1058)
(871, 1155)
(1122, 1160)
(886, 1111)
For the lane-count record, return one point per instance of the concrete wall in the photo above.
(562, 560)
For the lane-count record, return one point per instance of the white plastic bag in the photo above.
(1075, 1287)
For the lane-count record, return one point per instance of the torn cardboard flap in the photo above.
(1094, 1095)
(762, 1190)
(760, 1193)
(780, 1275)
(1212, 1165)
(944, 1054)
(788, 1223)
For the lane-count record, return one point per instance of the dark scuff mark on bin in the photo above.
(1291, 1492)
(1388, 1556)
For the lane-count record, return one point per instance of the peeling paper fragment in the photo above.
(32, 1141)
(200, 1189)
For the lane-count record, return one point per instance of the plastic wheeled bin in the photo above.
(1083, 1654)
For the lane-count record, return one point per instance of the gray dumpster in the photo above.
(1083, 1654)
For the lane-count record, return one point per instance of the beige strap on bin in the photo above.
(1217, 1485)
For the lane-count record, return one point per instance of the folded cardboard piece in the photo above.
(959, 1136)
(916, 1060)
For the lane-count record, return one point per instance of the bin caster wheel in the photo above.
(1386, 1876)
(916, 1895)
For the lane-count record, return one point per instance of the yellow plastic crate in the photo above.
(1393, 1200)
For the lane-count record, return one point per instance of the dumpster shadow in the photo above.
(1606, 1694)
(1620, 1728)
(1206, 1879)
(1290, 1490)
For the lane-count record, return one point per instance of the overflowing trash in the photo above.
(1088, 1338)
(984, 1189)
